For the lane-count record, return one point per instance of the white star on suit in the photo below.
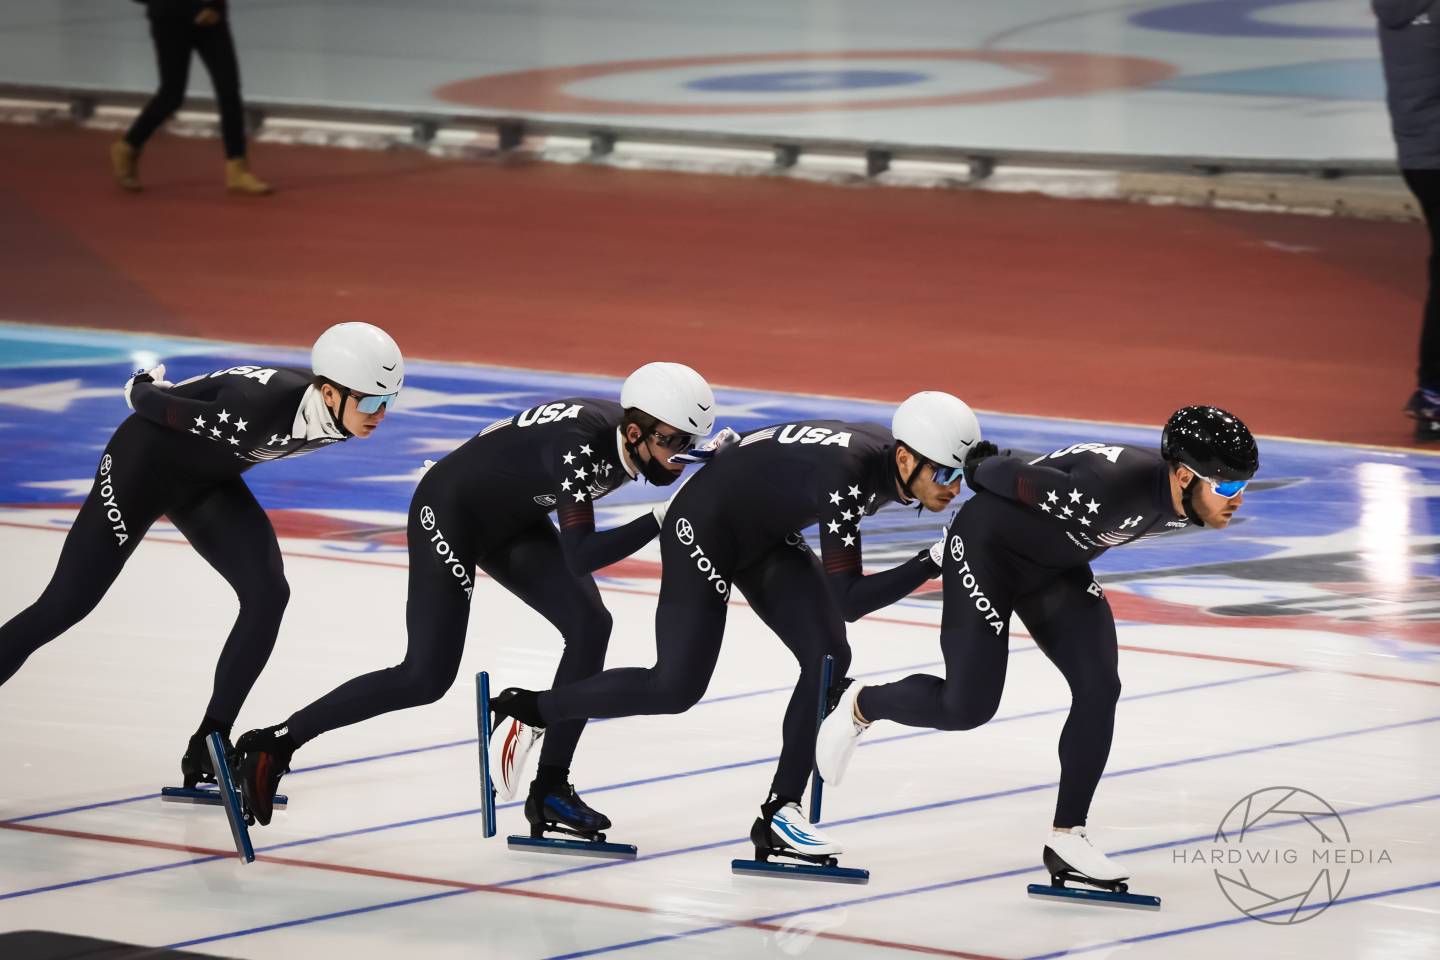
(1045, 507)
(200, 422)
(579, 495)
(585, 450)
(848, 540)
(1067, 511)
(854, 491)
(1076, 496)
(835, 496)
(565, 485)
(1084, 521)
(569, 458)
(580, 473)
(215, 432)
(848, 515)
(194, 431)
(240, 425)
(233, 441)
(1092, 506)
(223, 416)
(833, 527)
(1052, 496)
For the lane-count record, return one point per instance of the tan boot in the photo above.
(239, 179)
(125, 163)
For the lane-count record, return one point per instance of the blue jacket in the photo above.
(1410, 49)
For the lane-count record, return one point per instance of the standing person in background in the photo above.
(1410, 49)
(177, 27)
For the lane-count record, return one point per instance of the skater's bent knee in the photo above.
(676, 697)
(968, 716)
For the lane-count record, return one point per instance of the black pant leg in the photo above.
(532, 566)
(1071, 622)
(216, 47)
(787, 589)
(974, 639)
(125, 500)
(1425, 184)
(437, 613)
(227, 526)
(172, 39)
(689, 626)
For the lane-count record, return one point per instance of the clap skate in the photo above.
(1102, 880)
(561, 811)
(223, 765)
(199, 777)
(786, 845)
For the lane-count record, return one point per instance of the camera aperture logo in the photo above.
(1282, 855)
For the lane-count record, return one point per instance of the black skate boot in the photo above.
(195, 766)
(262, 758)
(554, 807)
(560, 809)
(1424, 408)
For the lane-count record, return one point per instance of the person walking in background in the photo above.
(177, 27)
(1410, 49)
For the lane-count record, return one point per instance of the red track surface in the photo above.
(1305, 326)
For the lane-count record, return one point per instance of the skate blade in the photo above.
(798, 871)
(230, 799)
(208, 796)
(1104, 898)
(574, 848)
(482, 722)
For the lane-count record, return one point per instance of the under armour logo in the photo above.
(1132, 522)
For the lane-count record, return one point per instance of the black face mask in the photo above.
(652, 470)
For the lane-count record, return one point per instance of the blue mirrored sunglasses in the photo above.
(1229, 489)
(373, 402)
(948, 475)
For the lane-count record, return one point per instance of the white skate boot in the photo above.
(788, 834)
(1070, 858)
(839, 735)
(788, 845)
(512, 742)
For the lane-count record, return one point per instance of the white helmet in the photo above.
(359, 356)
(938, 426)
(671, 393)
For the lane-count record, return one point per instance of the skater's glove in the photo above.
(705, 451)
(936, 553)
(155, 375)
(977, 454)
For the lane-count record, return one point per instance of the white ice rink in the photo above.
(381, 854)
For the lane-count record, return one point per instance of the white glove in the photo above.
(706, 450)
(155, 375)
(937, 549)
(426, 469)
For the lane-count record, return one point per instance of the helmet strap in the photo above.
(907, 494)
(339, 415)
(1185, 500)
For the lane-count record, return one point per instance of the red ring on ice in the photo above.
(1060, 74)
